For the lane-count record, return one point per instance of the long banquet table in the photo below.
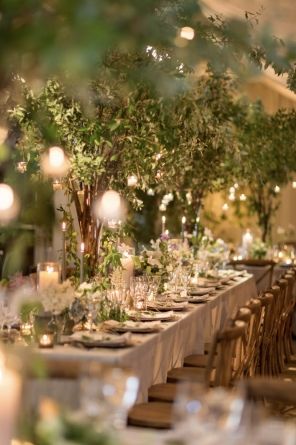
(153, 354)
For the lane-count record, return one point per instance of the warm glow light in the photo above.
(167, 232)
(187, 33)
(109, 207)
(54, 162)
(242, 197)
(82, 247)
(132, 181)
(277, 189)
(225, 207)
(64, 226)
(231, 197)
(183, 219)
(6, 197)
(3, 135)
(197, 219)
(232, 190)
(163, 219)
(56, 157)
(236, 185)
(162, 207)
(150, 192)
(49, 269)
(294, 184)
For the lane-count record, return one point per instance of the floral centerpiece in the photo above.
(57, 298)
(258, 249)
(212, 252)
(163, 257)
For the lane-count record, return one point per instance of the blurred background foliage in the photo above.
(109, 53)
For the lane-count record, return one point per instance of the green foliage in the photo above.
(73, 39)
(268, 158)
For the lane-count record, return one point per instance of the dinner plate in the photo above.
(197, 300)
(199, 291)
(208, 283)
(99, 340)
(152, 316)
(138, 327)
(167, 306)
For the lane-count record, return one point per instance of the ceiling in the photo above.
(280, 15)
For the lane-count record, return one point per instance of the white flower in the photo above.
(57, 298)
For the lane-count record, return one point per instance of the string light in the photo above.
(132, 181)
(231, 197)
(225, 207)
(277, 189)
(242, 197)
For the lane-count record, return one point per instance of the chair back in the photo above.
(223, 354)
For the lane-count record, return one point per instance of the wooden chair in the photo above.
(252, 337)
(265, 337)
(222, 351)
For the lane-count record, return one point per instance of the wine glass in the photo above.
(107, 394)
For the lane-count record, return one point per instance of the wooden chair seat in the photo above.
(197, 361)
(163, 392)
(151, 415)
(186, 374)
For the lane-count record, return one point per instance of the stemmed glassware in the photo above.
(107, 394)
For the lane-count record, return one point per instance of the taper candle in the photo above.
(163, 220)
(82, 247)
(64, 228)
(183, 227)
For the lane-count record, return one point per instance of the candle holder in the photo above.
(46, 341)
(48, 274)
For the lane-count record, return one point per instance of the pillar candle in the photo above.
(10, 391)
(48, 277)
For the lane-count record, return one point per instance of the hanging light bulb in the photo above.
(132, 181)
(9, 205)
(55, 163)
(187, 33)
(109, 207)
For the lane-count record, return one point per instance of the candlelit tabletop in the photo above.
(153, 355)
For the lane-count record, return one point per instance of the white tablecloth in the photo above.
(154, 354)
